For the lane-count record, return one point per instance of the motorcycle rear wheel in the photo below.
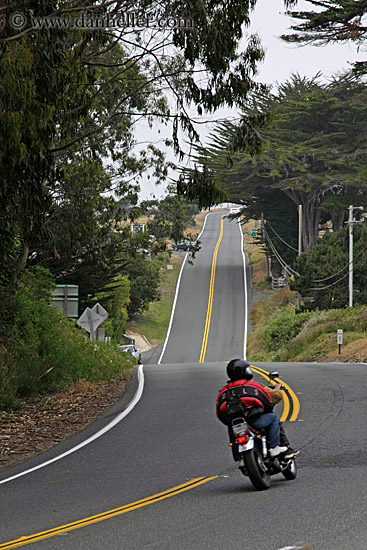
(256, 469)
(291, 471)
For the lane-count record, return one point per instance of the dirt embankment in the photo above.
(48, 420)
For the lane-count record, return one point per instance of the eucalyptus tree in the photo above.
(70, 90)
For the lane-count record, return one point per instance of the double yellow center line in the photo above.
(211, 293)
(286, 407)
(190, 484)
(259, 370)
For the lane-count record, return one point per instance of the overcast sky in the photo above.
(281, 60)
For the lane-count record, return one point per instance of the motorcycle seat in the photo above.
(261, 431)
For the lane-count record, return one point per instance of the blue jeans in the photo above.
(269, 420)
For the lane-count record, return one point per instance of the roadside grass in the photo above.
(153, 323)
(256, 253)
(311, 339)
(316, 345)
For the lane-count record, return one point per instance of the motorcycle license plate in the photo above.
(249, 445)
(239, 428)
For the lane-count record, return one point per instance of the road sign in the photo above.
(253, 233)
(65, 299)
(99, 333)
(340, 336)
(90, 321)
(136, 227)
(100, 310)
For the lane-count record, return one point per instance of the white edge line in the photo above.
(176, 295)
(108, 427)
(246, 300)
(173, 309)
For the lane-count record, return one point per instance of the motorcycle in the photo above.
(252, 446)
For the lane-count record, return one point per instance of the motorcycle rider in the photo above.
(259, 402)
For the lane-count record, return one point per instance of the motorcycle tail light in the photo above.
(242, 439)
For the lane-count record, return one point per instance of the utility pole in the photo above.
(299, 229)
(268, 258)
(351, 221)
(298, 307)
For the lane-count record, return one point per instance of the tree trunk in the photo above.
(310, 225)
(310, 215)
(21, 264)
(338, 219)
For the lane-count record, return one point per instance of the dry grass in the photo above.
(195, 231)
(259, 275)
(256, 256)
(83, 386)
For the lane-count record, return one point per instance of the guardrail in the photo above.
(278, 282)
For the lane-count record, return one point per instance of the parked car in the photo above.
(141, 250)
(186, 245)
(133, 349)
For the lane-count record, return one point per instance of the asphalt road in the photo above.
(171, 438)
(228, 315)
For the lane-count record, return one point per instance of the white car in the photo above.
(133, 349)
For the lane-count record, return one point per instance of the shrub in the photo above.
(283, 327)
(115, 299)
(41, 351)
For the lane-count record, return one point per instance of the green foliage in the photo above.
(41, 351)
(282, 328)
(280, 334)
(318, 337)
(324, 270)
(170, 217)
(333, 21)
(144, 283)
(115, 300)
(153, 322)
(281, 223)
(201, 185)
(82, 246)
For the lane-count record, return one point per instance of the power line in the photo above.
(340, 270)
(293, 272)
(277, 255)
(279, 237)
(331, 284)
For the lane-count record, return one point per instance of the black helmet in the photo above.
(239, 369)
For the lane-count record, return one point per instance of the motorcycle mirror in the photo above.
(273, 375)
